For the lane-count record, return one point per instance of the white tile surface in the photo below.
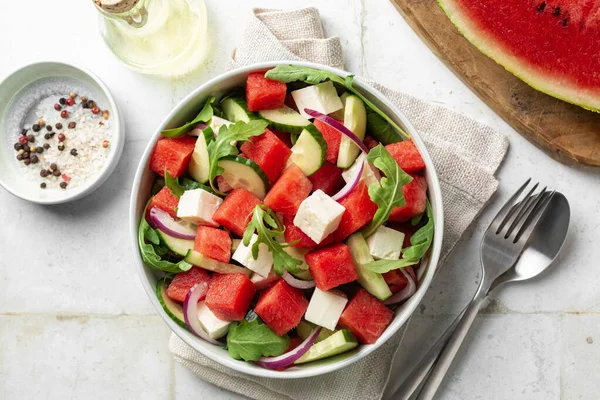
(76, 259)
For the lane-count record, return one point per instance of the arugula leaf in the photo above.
(388, 193)
(153, 251)
(251, 340)
(383, 266)
(157, 186)
(204, 115)
(380, 129)
(291, 73)
(416, 220)
(222, 147)
(267, 228)
(421, 240)
(186, 184)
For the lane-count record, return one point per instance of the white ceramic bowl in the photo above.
(21, 91)
(185, 111)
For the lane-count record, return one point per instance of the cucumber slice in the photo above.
(304, 329)
(200, 260)
(339, 114)
(310, 150)
(172, 308)
(355, 119)
(199, 163)
(285, 119)
(338, 343)
(181, 247)
(241, 172)
(236, 109)
(371, 281)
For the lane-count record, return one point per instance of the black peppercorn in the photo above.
(56, 172)
(24, 132)
(61, 147)
(26, 162)
(31, 138)
(18, 146)
(63, 185)
(62, 101)
(46, 146)
(43, 173)
(36, 128)
(72, 125)
(43, 185)
(47, 136)
(58, 126)
(34, 159)
(20, 157)
(39, 150)
(53, 167)
(74, 152)
(48, 128)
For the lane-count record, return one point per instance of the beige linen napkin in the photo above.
(466, 155)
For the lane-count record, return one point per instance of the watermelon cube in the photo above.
(213, 243)
(166, 201)
(328, 178)
(229, 296)
(184, 281)
(222, 184)
(281, 307)
(172, 154)
(285, 137)
(263, 93)
(234, 213)
(366, 317)
(415, 194)
(331, 266)
(270, 153)
(396, 280)
(333, 137)
(370, 142)
(289, 191)
(359, 211)
(407, 156)
(294, 234)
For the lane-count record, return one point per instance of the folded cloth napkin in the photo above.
(465, 153)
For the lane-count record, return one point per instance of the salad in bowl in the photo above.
(287, 223)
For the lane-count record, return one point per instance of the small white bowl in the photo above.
(19, 91)
(185, 111)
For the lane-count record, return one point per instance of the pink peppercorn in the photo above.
(70, 101)
(23, 140)
(64, 114)
(96, 110)
(61, 137)
(57, 107)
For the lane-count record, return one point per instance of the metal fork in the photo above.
(501, 246)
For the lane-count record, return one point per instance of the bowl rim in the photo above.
(395, 325)
(118, 138)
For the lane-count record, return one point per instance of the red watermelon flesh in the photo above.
(396, 280)
(407, 156)
(213, 243)
(234, 212)
(229, 296)
(407, 228)
(366, 317)
(328, 178)
(415, 194)
(268, 152)
(285, 137)
(172, 154)
(184, 281)
(166, 201)
(263, 93)
(333, 137)
(552, 45)
(281, 307)
(331, 266)
(370, 142)
(360, 210)
(294, 234)
(289, 191)
(222, 184)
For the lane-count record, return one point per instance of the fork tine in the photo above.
(508, 208)
(534, 216)
(528, 203)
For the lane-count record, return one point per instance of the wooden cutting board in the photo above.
(565, 132)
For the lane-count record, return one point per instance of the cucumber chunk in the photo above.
(236, 109)
(355, 119)
(338, 343)
(310, 150)
(304, 329)
(199, 163)
(285, 119)
(181, 247)
(371, 281)
(209, 264)
(172, 308)
(241, 172)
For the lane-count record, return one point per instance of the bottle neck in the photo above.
(135, 17)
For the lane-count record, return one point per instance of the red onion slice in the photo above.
(197, 131)
(297, 283)
(337, 126)
(405, 293)
(190, 311)
(171, 227)
(290, 357)
(350, 185)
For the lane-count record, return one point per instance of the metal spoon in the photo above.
(543, 247)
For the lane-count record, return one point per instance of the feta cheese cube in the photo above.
(217, 122)
(385, 243)
(325, 308)
(368, 174)
(215, 327)
(322, 98)
(263, 263)
(318, 216)
(198, 207)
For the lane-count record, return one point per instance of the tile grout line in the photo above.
(67, 315)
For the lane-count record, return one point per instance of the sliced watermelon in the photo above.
(396, 280)
(370, 142)
(360, 209)
(333, 137)
(366, 317)
(263, 93)
(415, 194)
(294, 234)
(222, 184)
(229, 296)
(331, 266)
(407, 156)
(328, 178)
(285, 137)
(213, 243)
(166, 201)
(281, 307)
(184, 281)
(234, 213)
(289, 191)
(270, 153)
(172, 154)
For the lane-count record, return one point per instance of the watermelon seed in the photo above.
(565, 21)
(556, 12)
(542, 6)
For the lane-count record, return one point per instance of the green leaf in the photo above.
(380, 129)
(251, 340)
(157, 186)
(149, 251)
(173, 184)
(383, 266)
(267, 228)
(388, 193)
(421, 240)
(204, 115)
(416, 220)
(222, 147)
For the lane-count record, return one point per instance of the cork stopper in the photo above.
(116, 6)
